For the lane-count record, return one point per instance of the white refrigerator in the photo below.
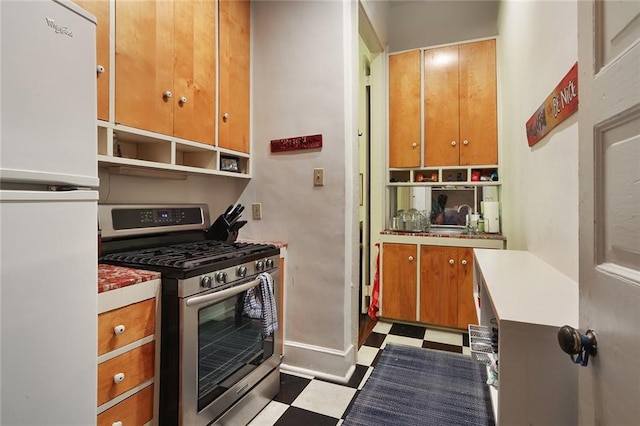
(48, 214)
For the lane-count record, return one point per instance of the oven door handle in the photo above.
(220, 295)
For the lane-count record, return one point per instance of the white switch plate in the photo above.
(318, 177)
(256, 210)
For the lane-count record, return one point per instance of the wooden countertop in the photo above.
(112, 277)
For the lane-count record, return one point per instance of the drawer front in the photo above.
(136, 410)
(137, 366)
(126, 325)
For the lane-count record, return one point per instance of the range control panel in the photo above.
(155, 217)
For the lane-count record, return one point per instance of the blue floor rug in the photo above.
(415, 386)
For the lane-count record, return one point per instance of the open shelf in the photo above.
(135, 148)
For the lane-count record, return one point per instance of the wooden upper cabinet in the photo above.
(144, 65)
(100, 9)
(478, 104)
(194, 70)
(399, 281)
(165, 67)
(441, 106)
(404, 109)
(234, 87)
(460, 105)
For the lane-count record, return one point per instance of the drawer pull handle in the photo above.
(118, 423)
(118, 378)
(118, 329)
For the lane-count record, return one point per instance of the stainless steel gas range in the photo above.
(220, 354)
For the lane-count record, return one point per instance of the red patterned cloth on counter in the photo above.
(111, 277)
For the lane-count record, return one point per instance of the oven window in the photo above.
(230, 346)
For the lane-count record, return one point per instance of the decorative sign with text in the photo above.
(558, 106)
(297, 143)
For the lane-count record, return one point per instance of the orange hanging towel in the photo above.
(374, 306)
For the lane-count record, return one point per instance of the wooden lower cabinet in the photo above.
(446, 286)
(128, 346)
(135, 410)
(399, 280)
(442, 282)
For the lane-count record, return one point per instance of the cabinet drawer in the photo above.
(133, 411)
(138, 319)
(137, 365)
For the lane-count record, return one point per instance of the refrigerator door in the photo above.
(48, 308)
(48, 130)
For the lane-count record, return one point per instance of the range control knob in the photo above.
(260, 265)
(221, 277)
(242, 271)
(206, 282)
(269, 263)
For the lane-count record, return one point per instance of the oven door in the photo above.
(223, 352)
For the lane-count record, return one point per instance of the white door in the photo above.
(609, 128)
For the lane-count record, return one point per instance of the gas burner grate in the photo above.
(187, 255)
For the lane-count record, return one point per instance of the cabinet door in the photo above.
(478, 121)
(441, 113)
(100, 9)
(194, 71)
(234, 87)
(404, 109)
(399, 281)
(144, 65)
(438, 285)
(466, 305)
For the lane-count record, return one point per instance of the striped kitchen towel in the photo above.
(260, 303)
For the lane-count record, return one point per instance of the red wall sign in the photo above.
(558, 106)
(297, 143)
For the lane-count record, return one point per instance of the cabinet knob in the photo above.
(183, 100)
(225, 117)
(118, 378)
(410, 258)
(167, 95)
(464, 261)
(100, 69)
(414, 144)
(454, 143)
(118, 329)
(465, 142)
(118, 423)
(451, 261)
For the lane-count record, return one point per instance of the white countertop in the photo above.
(524, 288)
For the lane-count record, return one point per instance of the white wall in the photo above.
(216, 191)
(429, 23)
(304, 74)
(536, 48)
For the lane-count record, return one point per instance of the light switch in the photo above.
(318, 177)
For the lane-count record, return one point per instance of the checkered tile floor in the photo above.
(304, 400)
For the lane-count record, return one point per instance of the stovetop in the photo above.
(191, 258)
